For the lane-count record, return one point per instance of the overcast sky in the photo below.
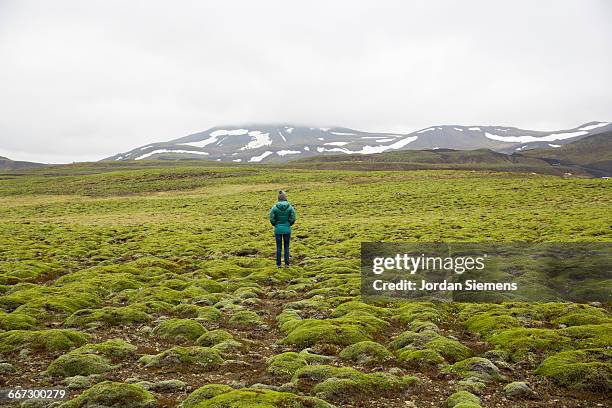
(83, 80)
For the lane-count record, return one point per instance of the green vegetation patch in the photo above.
(583, 369)
(366, 353)
(205, 358)
(478, 367)
(110, 316)
(463, 399)
(41, 340)
(179, 330)
(341, 383)
(113, 394)
(260, 398)
(285, 365)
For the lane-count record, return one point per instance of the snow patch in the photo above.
(306, 148)
(384, 140)
(342, 134)
(526, 139)
(286, 152)
(554, 145)
(397, 145)
(237, 160)
(320, 138)
(259, 139)
(591, 127)
(288, 129)
(458, 129)
(281, 135)
(324, 129)
(260, 157)
(474, 128)
(336, 143)
(144, 156)
(426, 130)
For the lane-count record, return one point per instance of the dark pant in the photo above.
(282, 239)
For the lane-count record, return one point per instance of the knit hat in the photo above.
(282, 196)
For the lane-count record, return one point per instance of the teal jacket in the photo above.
(282, 216)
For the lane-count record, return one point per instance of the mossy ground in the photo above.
(173, 266)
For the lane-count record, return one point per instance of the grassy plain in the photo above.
(161, 275)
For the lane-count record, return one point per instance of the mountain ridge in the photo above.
(283, 142)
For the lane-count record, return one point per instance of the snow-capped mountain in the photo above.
(265, 143)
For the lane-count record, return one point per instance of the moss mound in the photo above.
(261, 398)
(41, 340)
(589, 369)
(113, 349)
(113, 394)
(285, 365)
(522, 341)
(309, 332)
(245, 319)
(478, 367)
(463, 399)
(203, 357)
(16, 321)
(111, 316)
(409, 341)
(179, 330)
(204, 393)
(71, 364)
(366, 353)
(214, 337)
(340, 383)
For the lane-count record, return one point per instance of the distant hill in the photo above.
(278, 143)
(480, 159)
(592, 153)
(8, 164)
(590, 156)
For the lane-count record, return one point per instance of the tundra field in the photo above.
(154, 284)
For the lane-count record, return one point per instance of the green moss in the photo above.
(423, 311)
(113, 394)
(357, 306)
(152, 306)
(179, 330)
(204, 393)
(584, 315)
(261, 398)
(116, 349)
(582, 369)
(308, 332)
(486, 324)
(590, 335)
(245, 319)
(366, 353)
(450, 349)
(111, 316)
(478, 367)
(462, 397)
(202, 357)
(209, 314)
(340, 383)
(41, 340)
(420, 357)
(229, 347)
(71, 364)
(16, 321)
(285, 365)
(213, 337)
(519, 342)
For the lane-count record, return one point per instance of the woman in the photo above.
(282, 216)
